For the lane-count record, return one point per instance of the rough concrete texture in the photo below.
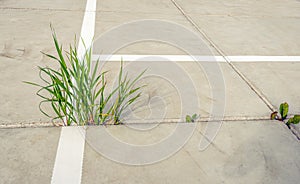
(55, 5)
(174, 89)
(243, 152)
(27, 155)
(21, 52)
(278, 81)
(21, 43)
(118, 13)
(263, 27)
(295, 128)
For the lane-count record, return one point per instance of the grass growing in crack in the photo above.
(126, 93)
(76, 90)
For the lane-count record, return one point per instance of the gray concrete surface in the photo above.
(25, 33)
(220, 20)
(27, 155)
(243, 152)
(166, 90)
(263, 27)
(278, 81)
(258, 151)
(34, 5)
(295, 128)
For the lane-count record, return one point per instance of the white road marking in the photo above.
(69, 156)
(264, 58)
(127, 57)
(87, 28)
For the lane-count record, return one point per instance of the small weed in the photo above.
(294, 120)
(190, 119)
(283, 111)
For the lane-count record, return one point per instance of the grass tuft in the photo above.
(76, 91)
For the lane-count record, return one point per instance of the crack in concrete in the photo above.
(235, 69)
(242, 76)
(9, 125)
(41, 9)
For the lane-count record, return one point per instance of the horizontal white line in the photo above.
(127, 57)
(263, 58)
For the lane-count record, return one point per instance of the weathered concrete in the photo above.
(56, 5)
(117, 13)
(295, 128)
(241, 8)
(248, 28)
(243, 152)
(174, 89)
(27, 155)
(20, 52)
(21, 43)
(277, 81)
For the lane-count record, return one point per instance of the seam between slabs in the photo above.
(243, 77)
(152, 121)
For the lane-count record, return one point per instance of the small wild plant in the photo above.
(190, 119)
(283, 111)
(127, 94)
(76, 91)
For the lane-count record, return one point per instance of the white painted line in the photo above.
(127, 57)
(264, 58)
(69, 156)
(87, 28)
(155, 58)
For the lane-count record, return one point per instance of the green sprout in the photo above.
(190, 119)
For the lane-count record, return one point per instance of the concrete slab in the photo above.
(47, 5)
(237, 8)
(257, 36)
(263, 28)
(295, 128)
(117, 13)
(28, 155)
(21, 42)
(243, 152)
(175, 89)
(136, 6)
(252, 153)
(278, 81)
(108, 20)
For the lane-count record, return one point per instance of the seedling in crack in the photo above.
(191, 119)
(294, 120)
(283, 111)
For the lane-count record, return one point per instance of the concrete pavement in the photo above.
(25, 33)
(244, 151)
